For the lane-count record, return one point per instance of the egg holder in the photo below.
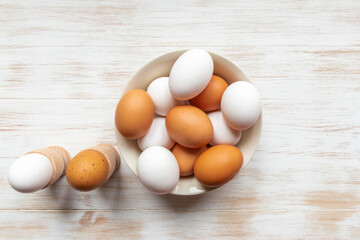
(111, 155)
(160, 67)
(60, 159)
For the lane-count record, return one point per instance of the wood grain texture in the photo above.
(64, 63)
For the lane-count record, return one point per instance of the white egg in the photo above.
(223, 133)
(156, 136)
(158, 170)
(31, 172)
(190, 74)
(161, 96)
(241, 105)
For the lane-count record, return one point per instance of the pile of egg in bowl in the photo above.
(180, 132)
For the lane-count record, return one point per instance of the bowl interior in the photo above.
(160, 67)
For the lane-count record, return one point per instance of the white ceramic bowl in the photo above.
(160, 67)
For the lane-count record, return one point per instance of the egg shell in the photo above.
(30, 173)
(223, 133)
(186, 158)
(156, 136)
(158, 170)
(88, 170)
(111, 155)
(190, 74)
(218, 165)
(209, 99)
(241, 105)
(134, 114)
(189, 126)
(161, 96)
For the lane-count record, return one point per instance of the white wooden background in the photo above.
(64, 63)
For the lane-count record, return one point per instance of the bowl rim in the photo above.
(260, 119)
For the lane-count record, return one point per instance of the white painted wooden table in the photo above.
(63, 65)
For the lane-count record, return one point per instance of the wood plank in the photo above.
(102, 73)
(213, 23)
(179, 224)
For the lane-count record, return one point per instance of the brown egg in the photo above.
(87, 170)
(218, 165)
(186, 158)
(134, 114)
(189, 126)
(210, 98)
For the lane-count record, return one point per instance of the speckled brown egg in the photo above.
(189, 126)
(87, 170)
(134, 114)
(218, 165)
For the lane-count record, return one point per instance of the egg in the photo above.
(30, 173)
(223, 133)
(209, 99)
(189, 126)
(186, 158)
(241, 105)
(161, 96)
(190, 74)
(158, 170)
(134, 114)
(156, 136)
(87, 170)
(38, 169)
(218, 165)
(92, 167)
